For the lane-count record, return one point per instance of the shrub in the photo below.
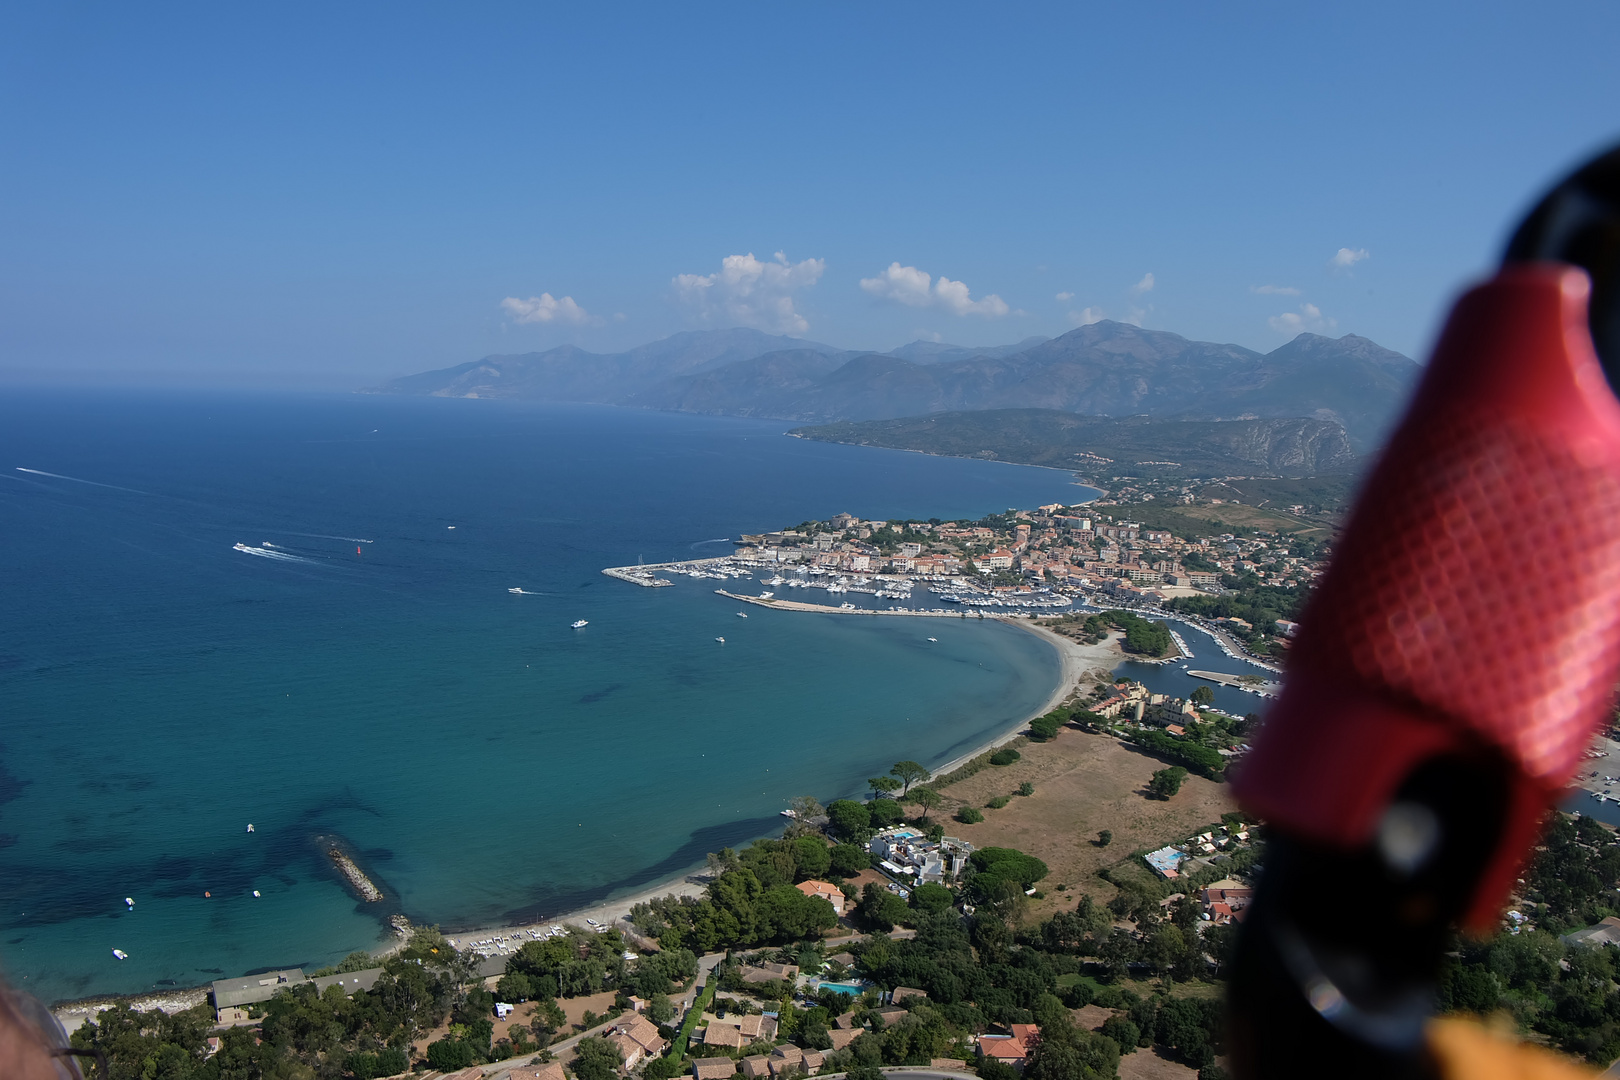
(970, 815)
(1046, 727)
(1005, 756)
(998, 802)
(1026, 788)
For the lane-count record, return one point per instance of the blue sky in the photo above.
(301, 194)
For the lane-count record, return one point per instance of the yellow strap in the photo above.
(1467, 1050)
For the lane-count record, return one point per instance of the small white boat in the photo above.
(255, 892)
(121, 954)
(130, 901)
(449, 526)
(933, 639)
(790, 813)
(250, 826)
(721, 640)
(742, 615)
(766, 595)
(578, 623)
(518, 591)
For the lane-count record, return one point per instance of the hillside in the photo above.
(1099, 446)
(1105, 369)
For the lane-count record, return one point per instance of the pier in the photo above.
(637, 575)
(827, 609)
(1251, 684)
(355, 877)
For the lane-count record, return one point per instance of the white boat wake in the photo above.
(266, 553)
(76, 480)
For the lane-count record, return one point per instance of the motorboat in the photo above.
(721, 640)
(121, 954)
(579, 623)
(742, 615)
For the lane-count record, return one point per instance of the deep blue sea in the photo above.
(367, 676)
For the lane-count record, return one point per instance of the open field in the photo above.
(1254, 517)
(1083, 783)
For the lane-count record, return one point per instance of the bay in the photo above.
(364, 675)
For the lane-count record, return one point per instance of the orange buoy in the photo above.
(207, 893)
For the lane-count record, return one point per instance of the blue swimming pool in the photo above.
(852, 989)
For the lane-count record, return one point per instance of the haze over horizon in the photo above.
(309, 198)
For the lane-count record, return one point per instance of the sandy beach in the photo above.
(1077, 662)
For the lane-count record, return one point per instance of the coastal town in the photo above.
(1245, 589)
(891, 930)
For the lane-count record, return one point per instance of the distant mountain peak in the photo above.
(1107, 368)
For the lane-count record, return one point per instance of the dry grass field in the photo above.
(1083, 783)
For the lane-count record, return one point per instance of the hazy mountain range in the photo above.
(1096, 446)
(1105, 369)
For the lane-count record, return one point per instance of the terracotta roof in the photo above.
(842, 1037)
(901, 993)
(758, 1065)
(715, 1068)
(643, 1032)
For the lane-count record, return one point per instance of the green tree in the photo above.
(927, 798)
(596, 1059)
(1203, 696)
(1026, 788)
(1105, 837)
(850, 820)
(970, 815)
(659, 1009)
(514, 987)
(885, 812)
(909, 772)
(1166, 782)
(811, 859)
(849, 859)
(883, 785)
(806, 809)
(932, 897)
(450, 1054)
(1122, 1031)
(880, 908)
(1005, 756)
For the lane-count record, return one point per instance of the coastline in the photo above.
(1075, 661)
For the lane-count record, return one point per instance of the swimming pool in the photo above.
(852, 989)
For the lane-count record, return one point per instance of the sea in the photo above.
(293, 612)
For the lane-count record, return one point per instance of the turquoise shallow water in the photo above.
(160, 690)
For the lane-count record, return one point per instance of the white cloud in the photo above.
(1344, 258)
(954, 295)
(902, 284)
(1274, 290)
(917, 288)
(1145, 285)
(1065, 297)
(1309, 317)
(546, 308)
(748, 292)
(1087, 316)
